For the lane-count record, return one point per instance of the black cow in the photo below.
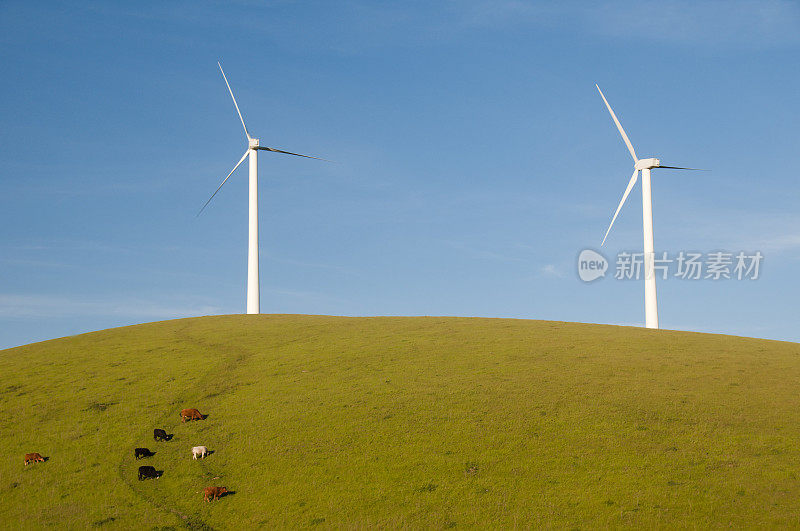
(138, 453)
(148, 472)
(160, 435)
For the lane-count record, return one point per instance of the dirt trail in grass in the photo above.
(187, 520)
(235, 358)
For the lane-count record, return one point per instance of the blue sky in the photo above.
(474, 158)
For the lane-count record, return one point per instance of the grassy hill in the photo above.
(420, 422)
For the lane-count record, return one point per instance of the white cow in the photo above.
(201, 451)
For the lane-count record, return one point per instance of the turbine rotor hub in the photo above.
(253, 143)
(646, 164)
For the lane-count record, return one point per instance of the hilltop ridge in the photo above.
(395, 421)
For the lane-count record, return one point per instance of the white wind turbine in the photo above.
(643, 165)
(253, 147)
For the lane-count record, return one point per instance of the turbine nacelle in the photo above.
(646, 164)
(252, 145)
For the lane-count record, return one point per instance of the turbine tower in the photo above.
(253, 147)
(643, 165)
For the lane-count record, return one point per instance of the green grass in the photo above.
(402, 422)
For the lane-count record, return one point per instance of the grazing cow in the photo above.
(191, 414)
(138, 453)
(214, 493)
(160, 435)
(199, 451)
(33, 458)
(148, 472)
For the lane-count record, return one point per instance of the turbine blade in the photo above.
(290, 153)
(680, 168)
(234, 100)
(624, 197)
(619, 125)
(223, 181)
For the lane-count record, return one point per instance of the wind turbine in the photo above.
(253, 147)
(643, 165)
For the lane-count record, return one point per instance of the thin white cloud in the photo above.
(738, 23)
(39, 306)
(769, 233)
(480, 251)
(781, 243)
(552, 271)
(717, 23)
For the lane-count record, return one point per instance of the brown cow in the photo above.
(32, 458)
(191, 414)
(214, 493)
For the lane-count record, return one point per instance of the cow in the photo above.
(199, 451)
(191, 414)
(33, 458)
(148, 472)
(138, 453)
(214, 493)
(160, 435)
